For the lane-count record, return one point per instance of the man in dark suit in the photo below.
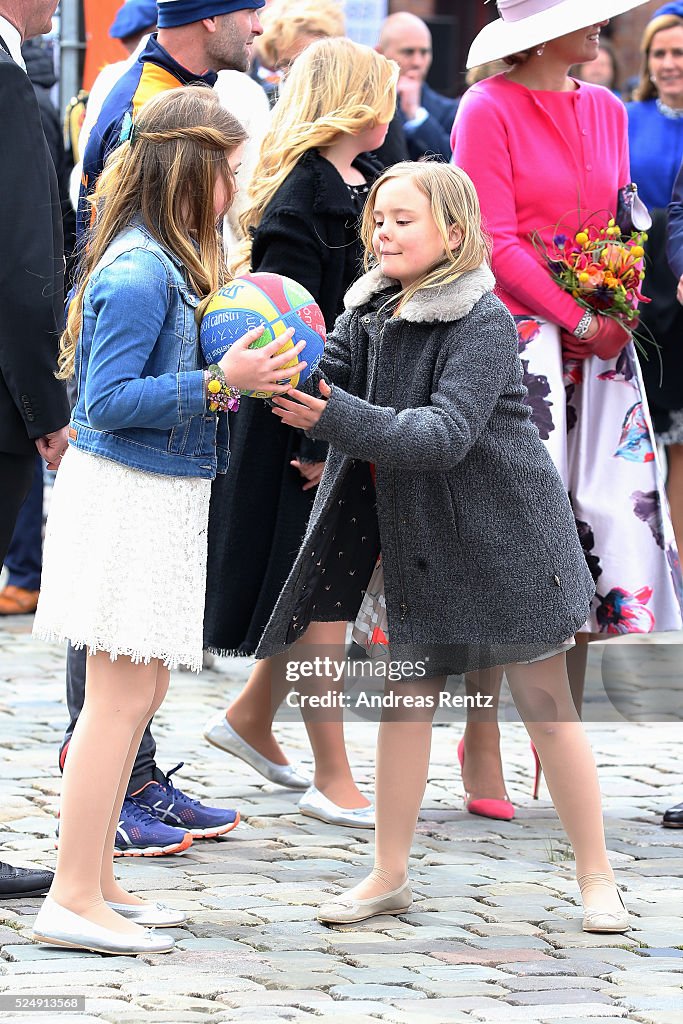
(427, 116)
(34, 412)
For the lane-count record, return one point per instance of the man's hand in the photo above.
(51, 447)
(679, 290)
(310, 471)
(409, 91)
(304, 411)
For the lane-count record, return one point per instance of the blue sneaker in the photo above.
(141, 834)
(172, 807)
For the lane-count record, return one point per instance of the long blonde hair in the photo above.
(165, 174)
(286, 21)
(454, 203)
(336, 87)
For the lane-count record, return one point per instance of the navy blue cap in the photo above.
(183, 12)
(133, 17)
(673, 8)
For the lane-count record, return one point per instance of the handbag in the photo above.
(371, 628)
(632, 213)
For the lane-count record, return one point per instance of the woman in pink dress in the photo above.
(548, 154)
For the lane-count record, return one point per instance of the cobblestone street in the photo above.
(495, 930)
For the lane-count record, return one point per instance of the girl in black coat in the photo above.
(306, 200)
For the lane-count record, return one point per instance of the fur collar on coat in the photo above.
(444, 304)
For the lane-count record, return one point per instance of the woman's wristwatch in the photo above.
(583, 326)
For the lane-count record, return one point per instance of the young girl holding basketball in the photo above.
(308, 191)
(481, 560)
(125, 549)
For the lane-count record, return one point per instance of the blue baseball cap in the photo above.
(673, 8)
(133, 17)
(182, 12)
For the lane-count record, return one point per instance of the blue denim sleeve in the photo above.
(130, 298)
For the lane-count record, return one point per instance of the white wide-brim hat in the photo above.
(526, 23)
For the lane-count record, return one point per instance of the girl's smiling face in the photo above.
(406, 239)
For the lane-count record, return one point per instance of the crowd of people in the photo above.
(472, 465)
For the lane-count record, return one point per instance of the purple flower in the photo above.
(538, 390)
(587, 540)
(647, 507)
(624, 370)
(560, 241)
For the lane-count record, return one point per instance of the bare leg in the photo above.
(118, 700)
(111, 890)
(483, 774)
(325, 727)
(399, 786)
(543, 698)
(674, 489)
(577, 659)
(252, 712)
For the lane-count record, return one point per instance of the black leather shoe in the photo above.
(16, 882)
(673, 818)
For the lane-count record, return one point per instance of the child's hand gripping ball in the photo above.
(270, 299)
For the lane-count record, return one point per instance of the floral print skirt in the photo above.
(593, 417)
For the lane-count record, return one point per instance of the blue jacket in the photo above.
(674, 241)
(656, 150)
(432, 136)
(139, 368)
(154, 71)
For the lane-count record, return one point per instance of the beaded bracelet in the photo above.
(222, 397)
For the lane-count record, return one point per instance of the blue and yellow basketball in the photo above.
(270, 299)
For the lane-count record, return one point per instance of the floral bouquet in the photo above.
(601, 268)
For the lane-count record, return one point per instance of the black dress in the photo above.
(259, 510)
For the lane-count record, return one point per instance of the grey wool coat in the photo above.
(481, 556)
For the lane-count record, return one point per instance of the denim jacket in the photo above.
(141, 398)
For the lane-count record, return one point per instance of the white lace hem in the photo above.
(171, 661)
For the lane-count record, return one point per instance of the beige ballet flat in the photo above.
(597, 920)
(345, 910)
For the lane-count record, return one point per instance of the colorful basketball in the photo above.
(270, 299)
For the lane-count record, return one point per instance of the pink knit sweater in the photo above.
(541, 161)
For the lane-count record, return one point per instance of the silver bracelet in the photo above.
(583, 326)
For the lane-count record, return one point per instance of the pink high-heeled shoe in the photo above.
(485, 807)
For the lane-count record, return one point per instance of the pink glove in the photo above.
(607, 342)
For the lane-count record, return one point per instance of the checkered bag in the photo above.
(371, 629)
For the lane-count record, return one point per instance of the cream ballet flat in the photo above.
(220, 733)
(57, 926)
(345, 910)
(594, 918)
(316, 805)
(151, 915)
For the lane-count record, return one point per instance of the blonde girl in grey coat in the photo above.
(480, 554)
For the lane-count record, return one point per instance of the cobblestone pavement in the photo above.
(494, 934)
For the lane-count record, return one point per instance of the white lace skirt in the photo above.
(124, 562)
